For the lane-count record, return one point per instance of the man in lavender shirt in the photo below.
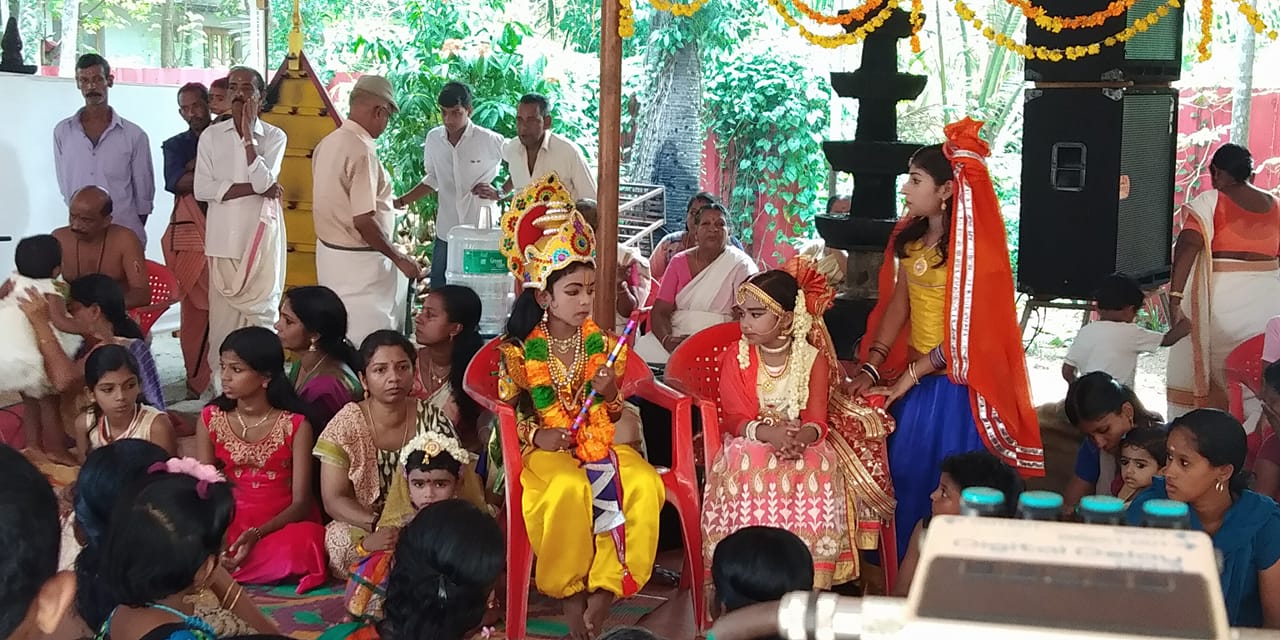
(97, 147)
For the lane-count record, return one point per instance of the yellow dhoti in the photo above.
(557, 513)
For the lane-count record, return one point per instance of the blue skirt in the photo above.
(935, 420)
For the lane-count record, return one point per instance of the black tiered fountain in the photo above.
(875, 157)
(11, 50)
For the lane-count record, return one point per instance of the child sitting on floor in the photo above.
(447, 560)
(432, 467)
(1112, 342)
(959, 472)
(39, 264)
(119, 410)
(758, 564)
(1142, 457)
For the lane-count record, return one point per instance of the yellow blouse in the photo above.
(927, 291)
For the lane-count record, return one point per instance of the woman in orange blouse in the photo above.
(1226, 280)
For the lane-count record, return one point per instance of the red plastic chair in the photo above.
(694, 369)
(1244, 369)
(164, 292)
(481, 383)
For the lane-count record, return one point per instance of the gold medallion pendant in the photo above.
(921, 265)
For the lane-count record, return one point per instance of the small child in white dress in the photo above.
(1112, 343)
(39, 263)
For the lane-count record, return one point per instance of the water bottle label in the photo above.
(483, 261)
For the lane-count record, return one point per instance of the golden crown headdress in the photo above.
(542, 233)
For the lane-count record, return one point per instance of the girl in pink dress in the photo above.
(257, 432)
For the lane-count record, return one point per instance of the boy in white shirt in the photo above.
(1112, 343)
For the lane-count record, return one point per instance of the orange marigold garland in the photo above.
(1206, 29)
(1057, 24)
(856, 14)
(596, 437)
(917, 21)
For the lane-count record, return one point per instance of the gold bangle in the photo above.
(911, 371)
(1176, 294)
(239, 592)
(360, 550)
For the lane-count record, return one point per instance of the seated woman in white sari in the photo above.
(1225, 279)
(698, 287)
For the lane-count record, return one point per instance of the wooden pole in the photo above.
(609, 165)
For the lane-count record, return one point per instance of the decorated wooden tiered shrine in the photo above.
(301, 107)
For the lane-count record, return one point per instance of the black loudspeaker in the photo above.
(1097, 188)
(1152, 56)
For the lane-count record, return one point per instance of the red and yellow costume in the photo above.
(579, 545)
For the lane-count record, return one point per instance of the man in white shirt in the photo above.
(537, 151)
(237, 165)
(460, 161)
(354, 219)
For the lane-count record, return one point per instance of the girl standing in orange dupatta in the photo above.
(947, 328)
(797, 456)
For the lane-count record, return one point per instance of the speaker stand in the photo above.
(1041, 302)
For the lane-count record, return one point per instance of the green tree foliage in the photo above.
(769, 114)
(451, 41)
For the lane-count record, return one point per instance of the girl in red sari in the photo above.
(945, 327)
(256, 431)
(799, 454)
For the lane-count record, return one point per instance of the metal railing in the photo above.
(641, 215)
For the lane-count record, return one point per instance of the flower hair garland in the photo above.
(205, 474)
(432, 444)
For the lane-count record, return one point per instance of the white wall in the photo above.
(30, 203)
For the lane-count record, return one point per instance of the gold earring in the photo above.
(313, 345)
(1218, 485)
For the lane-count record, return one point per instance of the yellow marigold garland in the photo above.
(626, 19)
(1255, 20)
(1070, 53)
(917, 21)
(1206, 29)
(678, 8)
(831, 42)
(855, 14)
(596, 437)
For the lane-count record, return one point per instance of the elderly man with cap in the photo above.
(354, 217)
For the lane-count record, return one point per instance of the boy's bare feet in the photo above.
(575, 608)
(598, 604)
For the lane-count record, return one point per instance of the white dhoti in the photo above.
(246, 292)
(1228, 302)
(371, 287)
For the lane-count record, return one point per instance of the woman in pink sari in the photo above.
(697, 288)
(258, 433)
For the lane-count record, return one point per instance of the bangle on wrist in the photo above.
(911, 371)
(1176, 294)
